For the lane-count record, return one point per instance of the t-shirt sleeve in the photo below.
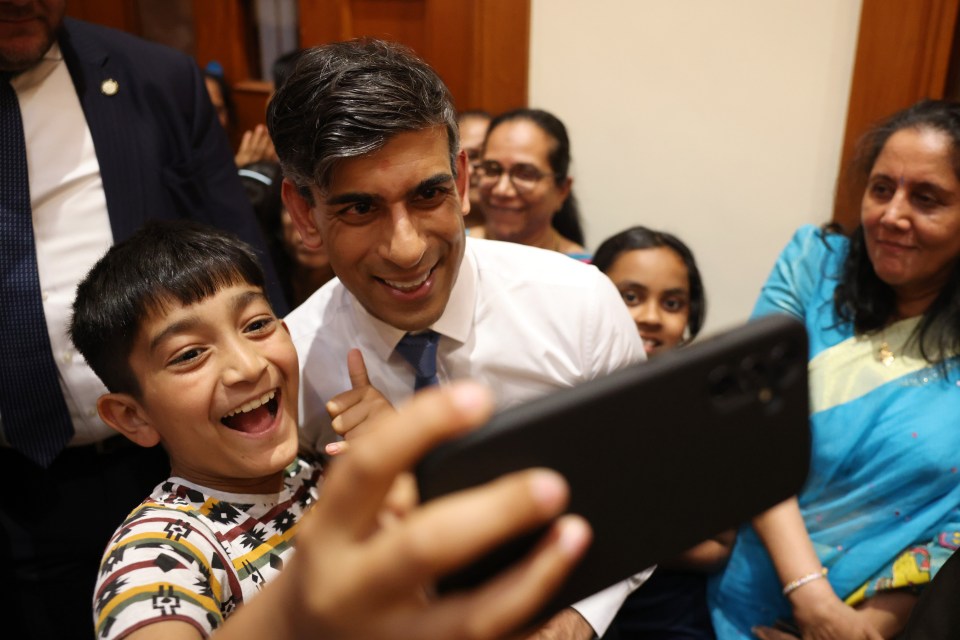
(796, 275)
(161, 565)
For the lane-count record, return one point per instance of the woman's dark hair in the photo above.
(639, 238)
(567, 219)
(862, 297)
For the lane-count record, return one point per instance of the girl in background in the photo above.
(658, 279)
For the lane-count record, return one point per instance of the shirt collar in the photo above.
(455, 323)
(458, 317)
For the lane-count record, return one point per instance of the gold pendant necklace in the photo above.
(885, 354)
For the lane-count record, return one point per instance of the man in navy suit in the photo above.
(117, 131)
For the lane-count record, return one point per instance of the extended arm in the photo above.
(352, 579)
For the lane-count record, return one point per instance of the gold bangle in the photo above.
(793, 585)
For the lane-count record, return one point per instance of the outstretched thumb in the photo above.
(357, 369)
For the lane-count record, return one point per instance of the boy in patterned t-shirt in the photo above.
(175, 322)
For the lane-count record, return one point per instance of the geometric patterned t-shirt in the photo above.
(192, 554)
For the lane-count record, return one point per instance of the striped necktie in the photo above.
(420, 350)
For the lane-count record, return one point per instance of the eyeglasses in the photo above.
(524, 177)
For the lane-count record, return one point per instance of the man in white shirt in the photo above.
(367, 136)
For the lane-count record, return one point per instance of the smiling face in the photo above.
(392, 226)
(655, 286)
(911, 216)
(513, 215)
(219, 382)
(27, 29)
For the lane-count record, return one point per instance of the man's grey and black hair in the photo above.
(348, 99)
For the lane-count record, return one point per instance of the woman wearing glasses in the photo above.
(525, 188)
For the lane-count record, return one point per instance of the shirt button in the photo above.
(44, 296)
(92, 412)
(68, 357)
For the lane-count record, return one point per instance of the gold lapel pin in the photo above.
(109, 87)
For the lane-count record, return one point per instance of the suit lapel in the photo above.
(108, 116)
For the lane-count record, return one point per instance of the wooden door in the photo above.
(479, 47)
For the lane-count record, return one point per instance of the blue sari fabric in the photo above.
(882, 501)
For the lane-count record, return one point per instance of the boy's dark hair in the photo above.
(640, 237)
(164, 262)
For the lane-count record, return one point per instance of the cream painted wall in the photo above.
(718, 120)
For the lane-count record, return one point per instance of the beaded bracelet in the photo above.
(793, 585)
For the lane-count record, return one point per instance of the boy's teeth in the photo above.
(253, 404)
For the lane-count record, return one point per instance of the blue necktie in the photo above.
(420, 350)
(35, 417)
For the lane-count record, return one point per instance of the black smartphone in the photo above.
(659, 456)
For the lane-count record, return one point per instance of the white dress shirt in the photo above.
(523, 321)
(70, 222)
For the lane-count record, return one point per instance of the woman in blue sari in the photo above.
(880, 511)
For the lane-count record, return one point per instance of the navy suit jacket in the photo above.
(161, 149)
